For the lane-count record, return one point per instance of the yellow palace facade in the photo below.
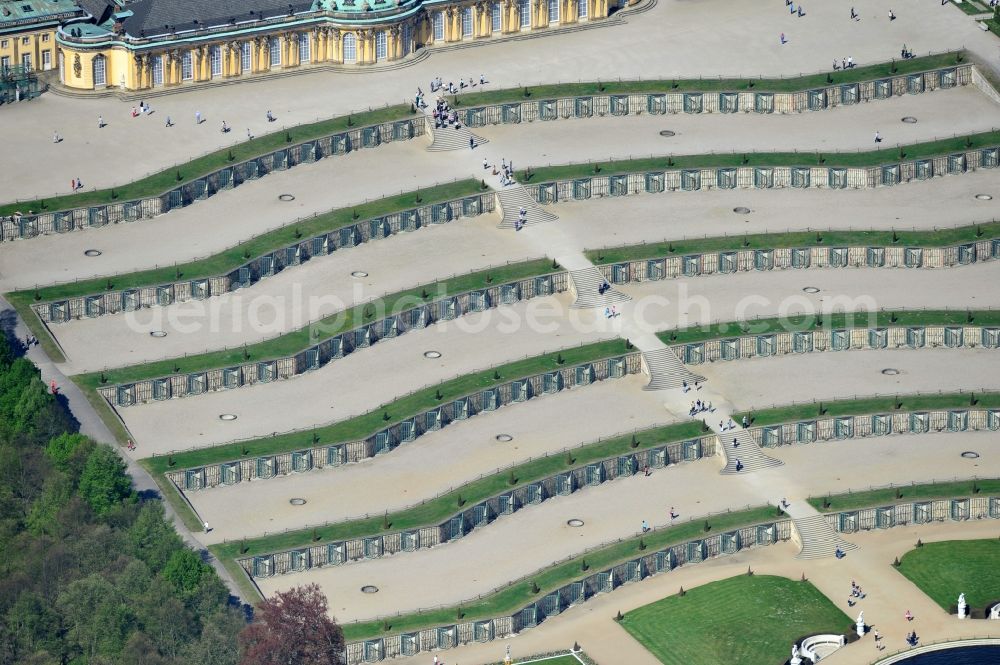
(153, 44)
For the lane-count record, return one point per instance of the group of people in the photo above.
(522, 219)
(724, 426)
(444, 115)
(856, 594)
(845, 63)
(611, 312)
(438, 84)
(700, 407)
(906, 54)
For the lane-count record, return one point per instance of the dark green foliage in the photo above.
(90, 574)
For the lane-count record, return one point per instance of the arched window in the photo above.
(381, 45)
(553, 11)
(245, 62)
(524, 12)
(467, 22)
(496, 15)
(304, 48)
(215, 60)
(581, 8)
(350, 47)
(274, 47)
(187, 67)
(100, 71)
(62, 67)
(438, 26)
(157, 62)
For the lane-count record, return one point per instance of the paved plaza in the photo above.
(954, 299)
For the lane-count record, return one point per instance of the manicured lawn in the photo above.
(944, 570)
(890, 495)
(566, 659)
(763, 159)
(746, 620)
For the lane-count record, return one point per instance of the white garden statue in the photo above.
(860, 625)
(963, 609)
(995, 612)
(796, 658)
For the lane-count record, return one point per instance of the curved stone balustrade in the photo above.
(764, 177)
(482, 513)
(392, 436)
(63, 221)
(267, 265)
(573, 480)
(337, 346)
(818, 647)
(749, 101)
(727, 262)
(660, 561)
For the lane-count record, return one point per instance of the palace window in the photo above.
(187, 69)
(553, 11)
(524, 12)
(467, 22)
(407, 38)
(438, 26)
(215, 60)
(100, 71)
(350, 47)
(581, 8)
(274, 46)
(381, 45)
(245, 57)
(157, 70)
(496, 15)
(304, 49)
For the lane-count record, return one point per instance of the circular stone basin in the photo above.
(909, 119)
(810, 289)
(504, 438)
(369, 588)
(742, 210)
(297, 501)
(984, 197)
(92, 252)
(359, 273)
(574, 522)
(227, 416)
(432, 354)
(158, 333)
(970, 454)
(667, 132)
(285, 197)
(890, 371)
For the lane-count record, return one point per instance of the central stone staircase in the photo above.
(586, 282)
(818, 538)
(449, 138)
(748, 453)
(515, 197)
(666, 370)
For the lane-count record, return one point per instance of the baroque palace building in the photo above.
(153, 44)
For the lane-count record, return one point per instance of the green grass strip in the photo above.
(721, 622)
(942, 570)
(293, 342)
(829, 321)
(911, 152)
(167, 179)
(796, 84)
(915, 492)
(521, 593)
(796, 239)
(438, 509)
(171, 178)
(405, 407)
(234, 257)
(865, 405)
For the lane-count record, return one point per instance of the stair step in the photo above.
(666, 370)
(515, 197)
(749, 454)
(586, 282)
(449, 138)
(818, 538)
